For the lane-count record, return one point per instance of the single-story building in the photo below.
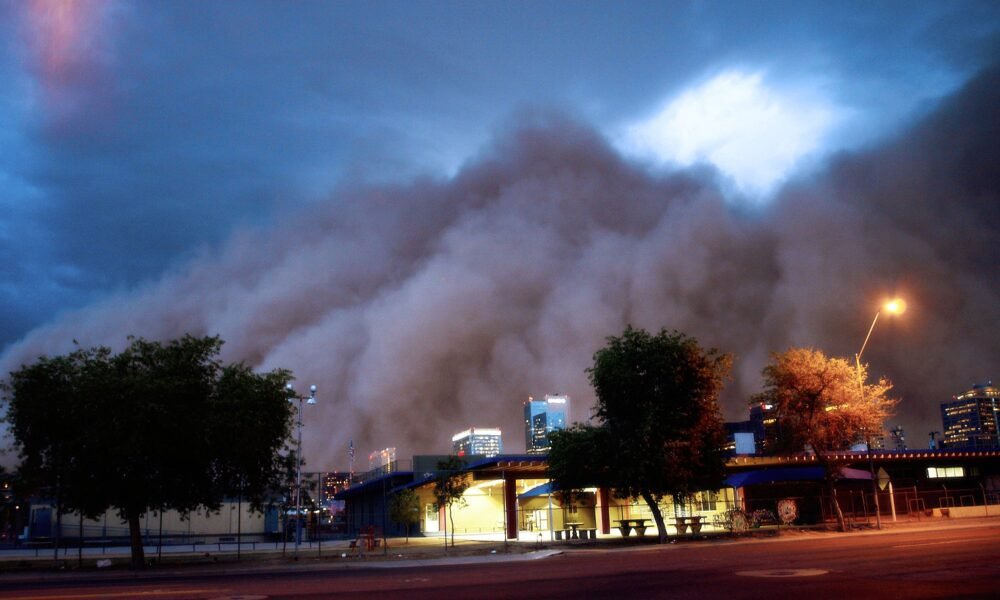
(511, 497)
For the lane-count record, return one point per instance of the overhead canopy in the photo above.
(539, 490)
(739, 480)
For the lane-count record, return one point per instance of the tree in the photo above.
(158, 426)
(823, 405)
(659, 431)
(449, 488)
(247, 402)
(404, 509)
(578, 459)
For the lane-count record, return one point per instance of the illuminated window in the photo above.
(942, 472)
(706, 501)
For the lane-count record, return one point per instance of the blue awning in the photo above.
(739, 480)
(539, 490)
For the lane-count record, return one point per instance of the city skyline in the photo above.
(763, 428)
(432, 209)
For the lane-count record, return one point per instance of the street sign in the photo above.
(883, 478)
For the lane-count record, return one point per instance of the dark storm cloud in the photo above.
(169, 167)
(920, 210)
(137, 134)
(424, 308)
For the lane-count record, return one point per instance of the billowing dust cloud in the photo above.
(422, 309)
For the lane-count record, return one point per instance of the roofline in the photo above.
(342, 494)
(853, 455)
(515, 461)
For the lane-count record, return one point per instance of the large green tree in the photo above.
(823, 405)
(659, 428)
(157, 426)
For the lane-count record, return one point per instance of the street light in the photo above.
(896, 306)
(311, 399)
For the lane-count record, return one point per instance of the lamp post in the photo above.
(893, 307)
(311, 399)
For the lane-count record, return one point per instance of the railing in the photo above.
(376, 473)
(70, 548)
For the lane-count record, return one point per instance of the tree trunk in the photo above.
(832, 486)
(284, 528)
(239, 524)
(451, 519)
(58, 531)
(79, 547)
(135, 539)
(657, 515)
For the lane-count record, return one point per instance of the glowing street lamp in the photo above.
(896, 306)
(311, 399)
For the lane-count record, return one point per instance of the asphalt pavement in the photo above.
(420, 552)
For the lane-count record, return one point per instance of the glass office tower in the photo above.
(477, 441)
(542, 417)
(970, 421)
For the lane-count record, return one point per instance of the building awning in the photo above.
(792, 474)
(539, 490)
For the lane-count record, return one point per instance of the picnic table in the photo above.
(366, 540)
(626, 526)
(573, 526)
(682, 524)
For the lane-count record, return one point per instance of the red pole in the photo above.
(510, 502)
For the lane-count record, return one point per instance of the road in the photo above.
(943, 563)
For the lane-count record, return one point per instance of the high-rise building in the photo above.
(764, 424)
(970, 421)
(384, 458)
(332, 483)
(477, 441)
(542, 417)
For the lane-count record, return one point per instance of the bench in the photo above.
(357, 546)
(583, 534)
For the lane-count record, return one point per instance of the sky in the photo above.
(433, 210)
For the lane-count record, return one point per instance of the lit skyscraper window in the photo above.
(542, 417)
(970, 421)
(477, 441)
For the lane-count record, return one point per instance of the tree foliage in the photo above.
(578, 459)
(158, 426)
(824, 405)
(660, 431)
(450, 486)
(404, 509)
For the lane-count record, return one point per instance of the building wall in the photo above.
(227, 522)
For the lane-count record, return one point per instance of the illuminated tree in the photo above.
(823, 405)
(660, 432)
(449, 488)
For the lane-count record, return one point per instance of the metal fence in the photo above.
(859, 506)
